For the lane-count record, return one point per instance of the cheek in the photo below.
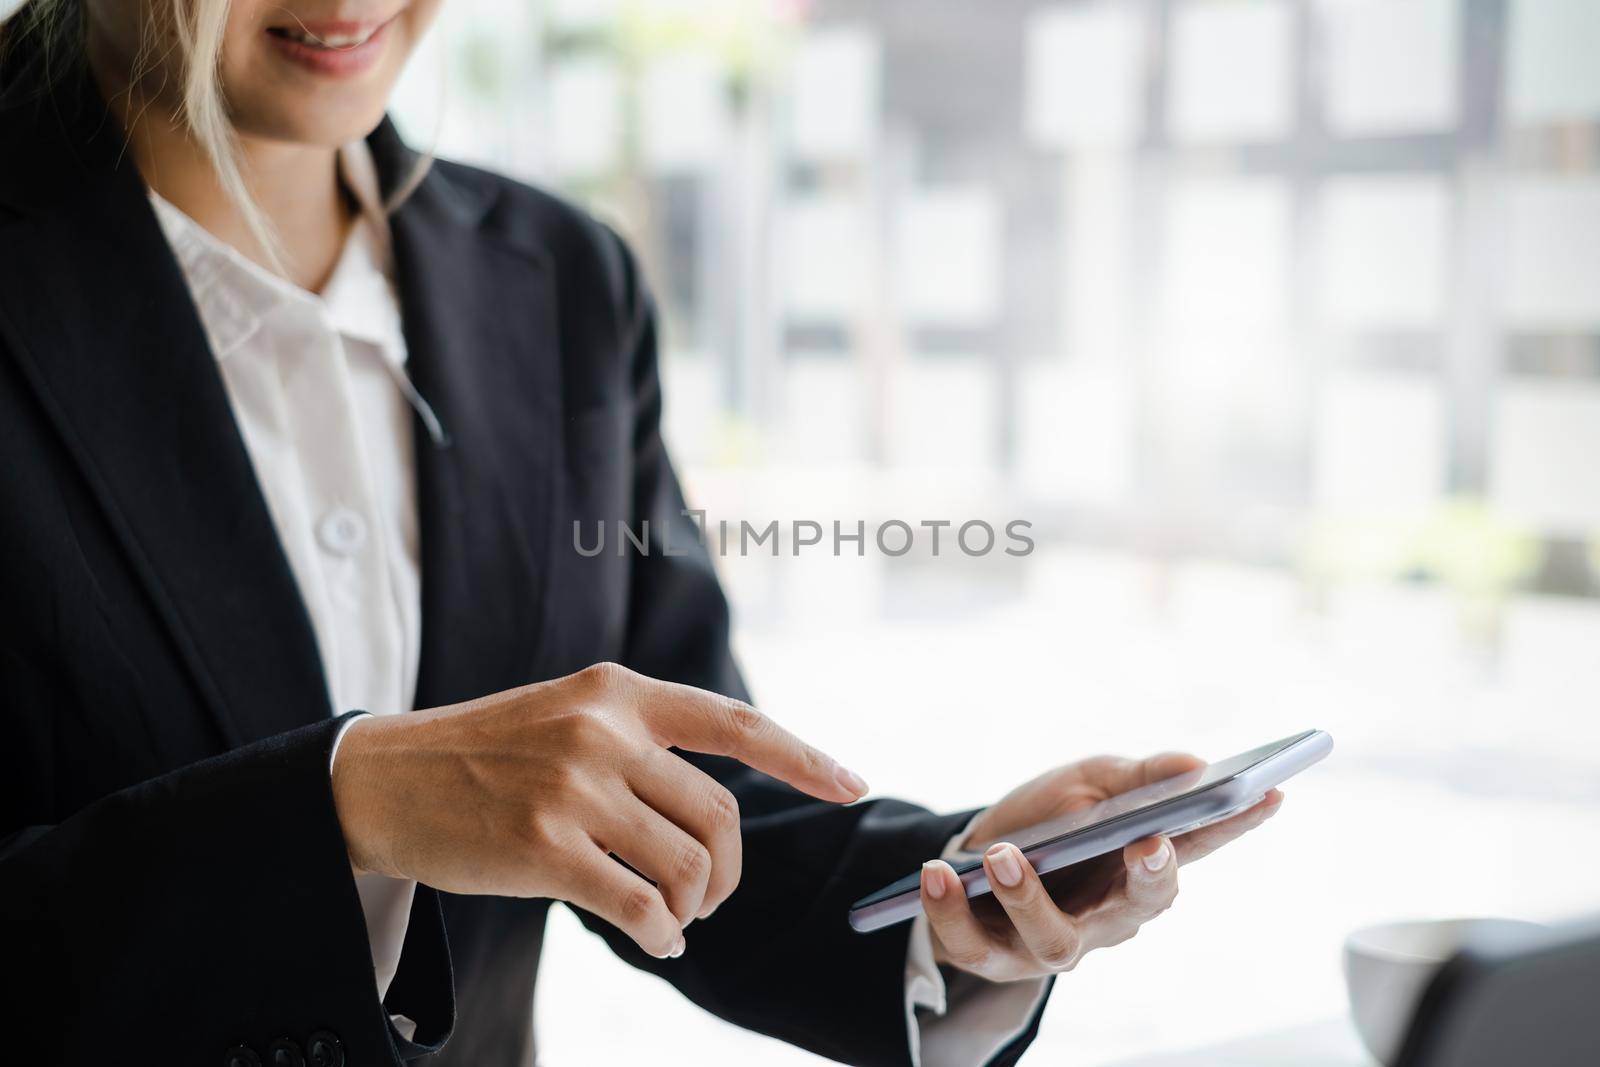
(412, 26)
(419, 16)
(241, 54)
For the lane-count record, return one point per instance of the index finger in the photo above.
(1199, 844)
(700, 721)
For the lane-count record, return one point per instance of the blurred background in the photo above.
(1278, 319)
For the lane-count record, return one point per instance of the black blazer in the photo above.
(173, 881)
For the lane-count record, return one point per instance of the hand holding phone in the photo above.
(1169, 807)
(1019, 925)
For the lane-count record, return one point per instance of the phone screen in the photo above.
(1108, 810)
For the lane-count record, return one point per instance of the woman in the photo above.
(294, 425)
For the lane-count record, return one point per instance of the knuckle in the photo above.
(971, 956)
(1059, 954)
(693, 865)
(603, 677)
(562, 778)
(815, 762)
(565, 779)
(741, 721)
(541, 833)
(722, 809)
(638, 904)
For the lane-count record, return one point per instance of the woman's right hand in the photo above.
(531, 792)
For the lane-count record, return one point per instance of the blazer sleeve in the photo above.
(202, 916)
(779, 956)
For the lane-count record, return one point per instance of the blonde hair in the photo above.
(52, 35)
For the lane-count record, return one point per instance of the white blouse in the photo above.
(319, 390)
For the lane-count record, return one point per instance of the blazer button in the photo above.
(241, 1056)
(324, 1050)
(285, 1053)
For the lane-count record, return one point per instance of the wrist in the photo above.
(353, 801)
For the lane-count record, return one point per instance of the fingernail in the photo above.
(707, 913)
(933, 879)
(678, 951)
(1003, 858)
(1157, 860)
(850, 781)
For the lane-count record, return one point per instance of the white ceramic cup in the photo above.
(1387, 968)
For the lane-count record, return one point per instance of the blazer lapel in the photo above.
(98, 316)
(96, 312)
(481, 330)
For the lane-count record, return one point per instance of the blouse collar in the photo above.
(235, 295)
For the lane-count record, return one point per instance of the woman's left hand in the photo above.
(1031, 927)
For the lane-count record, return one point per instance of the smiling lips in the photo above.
(331, 47)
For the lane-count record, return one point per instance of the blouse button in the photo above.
(342, 532)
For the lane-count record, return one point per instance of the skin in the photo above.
(1031, 926)
(562, 776)
(538, 791)
(289, 121)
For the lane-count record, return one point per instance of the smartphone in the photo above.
(1172, 807)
